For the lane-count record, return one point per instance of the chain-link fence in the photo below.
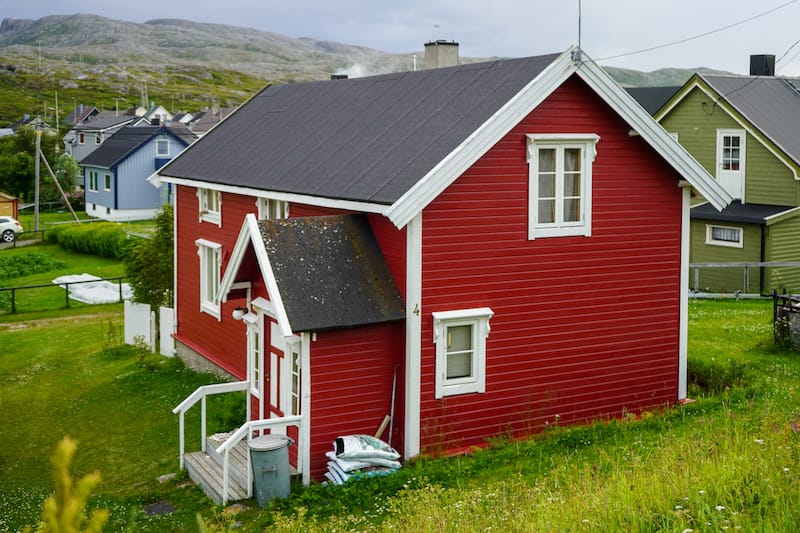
(745, 278)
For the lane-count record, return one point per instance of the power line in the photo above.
(680, 41)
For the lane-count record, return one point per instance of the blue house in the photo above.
(116, 172)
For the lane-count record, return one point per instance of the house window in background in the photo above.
(162, 148)
(730, 236)
(269, 209)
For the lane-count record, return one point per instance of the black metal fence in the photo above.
(9, 294)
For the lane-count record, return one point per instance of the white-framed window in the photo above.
(210, 205)
(93, 180)
(162, 147)
(560, 184)
(98, 138)
(460, 338)
(107, 182)
(730, 150)
(256, 351)
(210, 254)
(81, 138)
(269, 209)
(731, 236)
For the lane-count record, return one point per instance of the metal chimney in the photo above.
(441, 53)
(338, 76)
(762, 65)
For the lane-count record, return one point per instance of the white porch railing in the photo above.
(200, 395)
(247, 430)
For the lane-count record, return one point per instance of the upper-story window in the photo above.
(559, 184)
(731, 161)
(210, 205)
(98, 138)
(269, 209)
(162, 147)
(81, 138)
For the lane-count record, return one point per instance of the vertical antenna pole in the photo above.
(579, 24)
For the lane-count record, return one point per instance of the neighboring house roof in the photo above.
(322, 272)
(736, 211)
(127, 140)
(771, 106)
(392, 143)
(80, 114)
(104, 121)
(205, 120)
(652, 98)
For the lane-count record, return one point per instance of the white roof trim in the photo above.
(480, 141)
(249, 234)
(365, 207)
(652, 132)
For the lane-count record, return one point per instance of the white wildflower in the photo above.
(720, 507)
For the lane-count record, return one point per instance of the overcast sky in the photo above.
(486, 28)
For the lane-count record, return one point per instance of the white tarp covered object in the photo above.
(94, 290)
(357, 456)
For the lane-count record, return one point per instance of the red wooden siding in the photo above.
(351, 385)
(583, 327)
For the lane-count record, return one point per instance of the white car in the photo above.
(9, 229)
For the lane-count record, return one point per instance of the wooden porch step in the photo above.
(205, 471)
(239, 456)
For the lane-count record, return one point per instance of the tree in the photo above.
(150, 264)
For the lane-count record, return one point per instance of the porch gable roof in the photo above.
(321, 272)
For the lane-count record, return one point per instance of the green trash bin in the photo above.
(269, 456)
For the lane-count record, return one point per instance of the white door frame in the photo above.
(732, 180)
(255, 360)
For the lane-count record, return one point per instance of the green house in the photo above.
(745, 130)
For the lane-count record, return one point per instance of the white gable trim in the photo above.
(348, 205)
(249, 234)
(533, 94)
(480, 141)
(652, 132)
(726, 108)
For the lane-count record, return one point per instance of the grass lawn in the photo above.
(728, 461)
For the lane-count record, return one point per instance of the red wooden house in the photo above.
(501, 245)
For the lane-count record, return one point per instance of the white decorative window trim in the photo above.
(210, 207)
(164, 142)
(210, 254)
(107, 182)
(587, 144)
(715, 234)
(271, 209)
(478, 320)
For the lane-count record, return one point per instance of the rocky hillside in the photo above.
(183, 65)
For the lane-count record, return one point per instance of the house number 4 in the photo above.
(416, 309)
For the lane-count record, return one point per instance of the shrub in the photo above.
(105, 239)
(27, 263)
(716, 376)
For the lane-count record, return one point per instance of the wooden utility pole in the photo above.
(36, 183)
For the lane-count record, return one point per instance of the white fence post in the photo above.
(137, 323)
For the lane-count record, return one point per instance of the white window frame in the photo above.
(210, 254)
(106, 181)
(587, 144)
(711, 241)
(159, 151)
(721, 134)
(98, 138)
(271, 209)
(209, 212)
(81, 138)
(92, 181)
(478, 319)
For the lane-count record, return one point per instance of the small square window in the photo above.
(460, 338)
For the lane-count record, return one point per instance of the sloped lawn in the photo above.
(728, 461)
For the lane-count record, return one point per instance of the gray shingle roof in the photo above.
(652, 98)
(738, 212)
(771, 104)
(125, 141)
(364, 139)
(330, 272)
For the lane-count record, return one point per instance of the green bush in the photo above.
(104, 239)
(26, 264)
(716, 376)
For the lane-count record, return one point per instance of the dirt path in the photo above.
(27, 324)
